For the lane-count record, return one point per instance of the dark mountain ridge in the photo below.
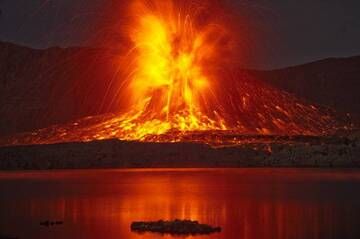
(39, 88)
(333, 82)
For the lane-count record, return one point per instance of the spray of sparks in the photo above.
(174, 94)
(169, 88)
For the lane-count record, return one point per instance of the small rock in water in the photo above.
(176, 227)
(49, 223)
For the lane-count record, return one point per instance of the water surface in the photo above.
(246, 203)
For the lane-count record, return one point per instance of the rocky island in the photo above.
(175, 227)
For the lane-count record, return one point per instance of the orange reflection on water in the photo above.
(257, 203)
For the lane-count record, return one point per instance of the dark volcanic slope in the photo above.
(333, 82)
(39, 88)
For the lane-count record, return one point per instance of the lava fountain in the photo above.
(179, 87)
(169, 86)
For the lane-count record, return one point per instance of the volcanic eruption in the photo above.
(169, 87)
(179, 87)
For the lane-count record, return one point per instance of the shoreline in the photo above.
(325, 152)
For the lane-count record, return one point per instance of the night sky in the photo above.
(290, 31)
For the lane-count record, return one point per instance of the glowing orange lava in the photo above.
(168, 85)
(179, 88)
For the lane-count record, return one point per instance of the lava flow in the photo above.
(179, 88)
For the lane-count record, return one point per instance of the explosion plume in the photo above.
(170, 88)
(179, 83)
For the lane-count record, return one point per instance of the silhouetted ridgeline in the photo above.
(333, 82)
(39, 88)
